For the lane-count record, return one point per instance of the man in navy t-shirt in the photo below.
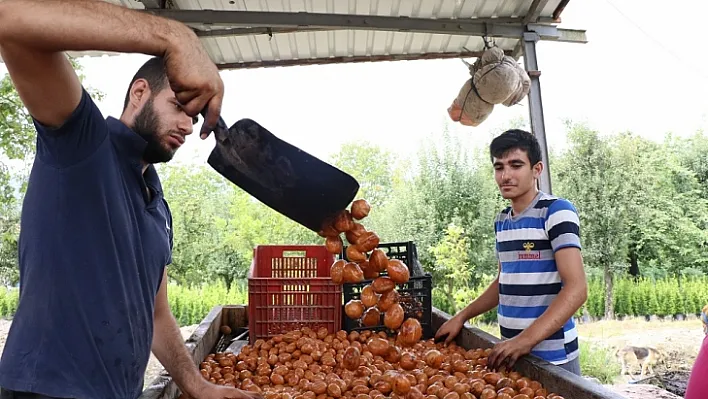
(96, 231)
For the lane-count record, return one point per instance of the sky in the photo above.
(640, 71)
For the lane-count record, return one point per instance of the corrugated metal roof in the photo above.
(418, 8)
(352, 45)
(340, 45)
(392, 8)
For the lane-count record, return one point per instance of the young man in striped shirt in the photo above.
(541, 281)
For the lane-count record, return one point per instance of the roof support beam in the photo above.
(518, 50)
(253, 31)
(154, 4)
(538, 124)
(347, 60)
(534, 11)
(299, 20)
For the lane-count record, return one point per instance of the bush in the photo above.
(645, 297)
(189, 305)
(463, 298)
(597, 361)
(8, 302)
(596, 297)
(668, 296)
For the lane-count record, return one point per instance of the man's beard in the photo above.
(146, 125)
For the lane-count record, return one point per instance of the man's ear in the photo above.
(537, 169)
(139, 93)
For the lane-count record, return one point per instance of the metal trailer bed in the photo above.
(208, 337)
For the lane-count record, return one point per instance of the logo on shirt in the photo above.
(528, 246)
(167, 226)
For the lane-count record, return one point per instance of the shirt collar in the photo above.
(128, 142)
(533, 203)
(131, 146)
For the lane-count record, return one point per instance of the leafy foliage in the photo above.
(599, 362)
(642, 206)
(452, 268)
(638, 202)
(371, 166)
(667, 296)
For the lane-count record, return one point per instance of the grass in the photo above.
(598, 361)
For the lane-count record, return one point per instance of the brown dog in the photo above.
(645, 357)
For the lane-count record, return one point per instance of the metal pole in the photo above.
(538, 126)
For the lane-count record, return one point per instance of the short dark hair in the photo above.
(514, 139)
(154, 72)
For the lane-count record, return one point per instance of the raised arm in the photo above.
(35, 33)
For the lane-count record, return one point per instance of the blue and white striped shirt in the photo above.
(529, 280)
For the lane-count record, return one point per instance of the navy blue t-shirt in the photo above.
(92, 252)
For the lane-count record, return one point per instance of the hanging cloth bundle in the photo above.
(496, 79)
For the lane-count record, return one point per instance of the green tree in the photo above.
(229, 267)
(251, 223)
(591, 176)
(452, 269)
(665, 220)
(9, 232)
(451, 183)
(371, 166)
(693, 154)
(198, 197)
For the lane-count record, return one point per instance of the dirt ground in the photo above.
(4, 329)
(680, 340)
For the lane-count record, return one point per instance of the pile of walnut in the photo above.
(305, 364)
(366, 262)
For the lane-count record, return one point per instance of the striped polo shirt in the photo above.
(529, 280)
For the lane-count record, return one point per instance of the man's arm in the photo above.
(34, 33)
(563, 229)
(169, 348)
(570, 298)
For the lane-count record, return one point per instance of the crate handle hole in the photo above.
(294, 254)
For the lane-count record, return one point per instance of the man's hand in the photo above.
(35, 34)
(484, 303)
(450, 328)
(508, 352)
(212, 391)
(196, 82)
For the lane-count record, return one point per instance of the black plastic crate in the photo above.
(415, 299)
(406, 252)
(416, 294)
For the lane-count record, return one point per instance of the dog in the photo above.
(645, 357)
(704, 319)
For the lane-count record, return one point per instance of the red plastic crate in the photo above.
(289, 287)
